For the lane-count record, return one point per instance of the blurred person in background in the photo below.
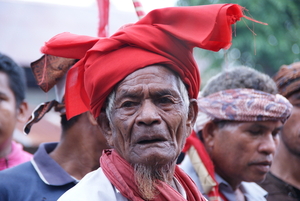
(235, 135)
(283, 181)
(57, 166)
(12, 111)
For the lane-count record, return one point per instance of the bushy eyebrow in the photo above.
(132, 94)
(129, 94)
(265, 127)
(165, 92)
(296, 96)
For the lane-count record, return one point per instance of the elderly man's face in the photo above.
(242, 151)
(149, 119)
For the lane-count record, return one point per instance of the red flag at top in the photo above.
(103, 7)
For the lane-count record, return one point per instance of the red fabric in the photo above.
(103, 7)
(120, 174)
(193, 140)
(138, 8)
(165, 36)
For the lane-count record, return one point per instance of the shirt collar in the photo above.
(251, 190)
(48, 169)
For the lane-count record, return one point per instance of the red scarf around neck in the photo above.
(193, 140)
(120, 174)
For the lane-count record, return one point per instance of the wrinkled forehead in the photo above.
(152, 69)
(154, 74)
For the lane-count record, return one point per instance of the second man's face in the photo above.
(243, 151)
(149, 120)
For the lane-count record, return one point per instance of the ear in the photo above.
(91, 119)
(22, 112)
(105, 127)
(192, 114)
(209, 133)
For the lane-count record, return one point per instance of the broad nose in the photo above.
(268, 144)
(148, 114)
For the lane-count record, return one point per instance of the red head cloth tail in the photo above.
(164, 36)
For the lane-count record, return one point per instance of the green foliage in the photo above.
(273, 45)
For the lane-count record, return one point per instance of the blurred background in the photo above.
(27, 24)
(264, 48)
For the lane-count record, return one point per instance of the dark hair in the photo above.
(67, 124)
(219, 124)
(240, 77)
(16, 77)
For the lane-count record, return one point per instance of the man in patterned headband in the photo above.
(235, 135)
(141, 84)
(283, 182)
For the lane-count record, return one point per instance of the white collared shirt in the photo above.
(95, 186)
(251, 190)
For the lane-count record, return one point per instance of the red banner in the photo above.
(103, 7)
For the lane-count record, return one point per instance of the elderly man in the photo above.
(236, 135)
(141, 84)
(283, 182)
(13, 108)
(57, 166)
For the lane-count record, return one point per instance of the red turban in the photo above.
(165, 36)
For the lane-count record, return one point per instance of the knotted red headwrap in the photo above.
(165, 36)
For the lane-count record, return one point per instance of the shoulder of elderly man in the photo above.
(88, 187)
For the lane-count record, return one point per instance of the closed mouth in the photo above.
(263, 166)
(150, 141)
(265, 163)
(151, 138)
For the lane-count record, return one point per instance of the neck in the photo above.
(77, 154)
(171, 177)
(233, 182)
(286, 166)
(6, 148)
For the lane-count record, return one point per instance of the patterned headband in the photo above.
(245, 105)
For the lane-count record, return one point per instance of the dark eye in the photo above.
(129, 104)
(166, 100)
(275, 133)
(255, 132)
